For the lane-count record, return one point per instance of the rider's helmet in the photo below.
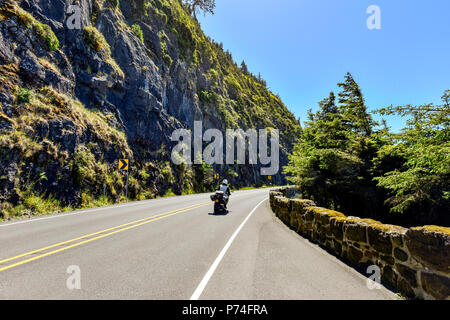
(225, 182)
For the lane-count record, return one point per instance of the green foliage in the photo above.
(46, 34)
(420, 181)
(329, 162)
(353, 107)
(167, 60)
(205, 6)
(144, 175)
(43, 31)
(343, 163)
(163, 41)
(169, 193)
(231, 173)
(96, 40)
(206, 96)
(138, 31)
(203, 177)
(35, 204)
(41, 205)
(24, 95)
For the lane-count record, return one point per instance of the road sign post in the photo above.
(126, 189)
(104, 192)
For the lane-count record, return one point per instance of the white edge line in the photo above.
(59, 215)
(197, 293)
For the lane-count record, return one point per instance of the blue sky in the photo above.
(303, 48)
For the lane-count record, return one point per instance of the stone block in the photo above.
(436, 285)
(401, 255)
(379, 239)
(431, 245)
(356, 232)
(408, 273)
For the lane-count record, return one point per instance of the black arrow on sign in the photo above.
(123, 164)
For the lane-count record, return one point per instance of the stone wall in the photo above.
(415, 261)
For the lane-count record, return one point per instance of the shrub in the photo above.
(166, 57)
(167, 60)
(46, 34)
(43, 31)
(24, 95)
(206, 96)
(138, 31)
(169, 193)
(41, 205)
(96, 40)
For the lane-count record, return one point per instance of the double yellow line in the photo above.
(98, 234)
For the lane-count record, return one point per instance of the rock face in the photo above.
(414, 261)
(117, 86)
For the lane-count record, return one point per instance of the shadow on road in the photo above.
(223, 213)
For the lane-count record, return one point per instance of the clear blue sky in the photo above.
(303, 48)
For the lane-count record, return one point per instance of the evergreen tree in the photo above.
(353, 107)
(415, 167)
(321, 163)
(332, 161)
(328, 105)
(207, 6)
(244, 68)
(343, 163)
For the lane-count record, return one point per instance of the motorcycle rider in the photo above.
(224, 187)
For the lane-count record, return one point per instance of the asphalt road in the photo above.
(171, 248)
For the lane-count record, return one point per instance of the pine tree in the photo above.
(328, 106)
(207, 6)
(244, 68)
(353, 107)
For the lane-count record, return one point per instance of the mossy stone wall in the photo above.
(415, 261)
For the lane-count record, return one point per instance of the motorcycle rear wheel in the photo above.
(218, 208)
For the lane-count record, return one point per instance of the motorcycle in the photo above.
(219, 202)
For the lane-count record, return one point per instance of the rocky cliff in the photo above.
(88, 82)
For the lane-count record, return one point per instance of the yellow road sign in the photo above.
(123, 164)
(270, 177)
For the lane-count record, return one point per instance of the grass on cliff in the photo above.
(34, 109)
(95, 40)
(138, 32)
(43, 31)
(34, 205)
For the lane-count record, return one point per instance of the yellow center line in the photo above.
(98, 232)
(93, 239)
(134, 224)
